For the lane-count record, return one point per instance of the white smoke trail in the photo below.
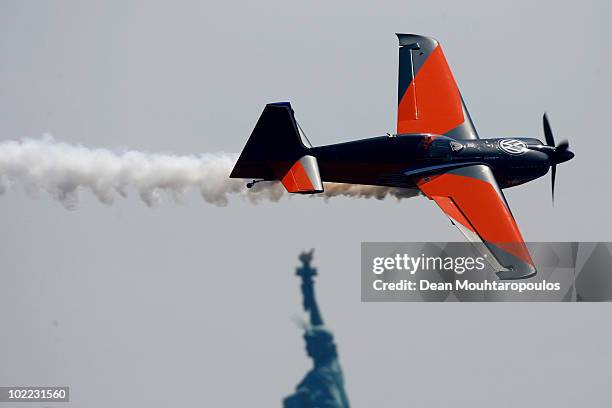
(363, 191)
(61, 169)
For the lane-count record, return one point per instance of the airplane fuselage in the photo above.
(437, 152)
(400, 160)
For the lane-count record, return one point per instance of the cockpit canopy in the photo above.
(442, 146)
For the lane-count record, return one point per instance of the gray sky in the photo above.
(190, 304)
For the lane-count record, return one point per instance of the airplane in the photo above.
(436, 151)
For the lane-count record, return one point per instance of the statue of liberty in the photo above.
(323, 385)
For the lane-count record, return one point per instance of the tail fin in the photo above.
(275, 151)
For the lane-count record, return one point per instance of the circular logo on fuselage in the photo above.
(513, 146)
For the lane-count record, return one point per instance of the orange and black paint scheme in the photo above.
(436, 150)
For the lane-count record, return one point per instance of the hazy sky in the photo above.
(191, 304)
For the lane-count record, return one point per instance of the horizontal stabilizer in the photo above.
(302, 177)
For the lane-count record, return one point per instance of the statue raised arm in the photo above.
(307, 272)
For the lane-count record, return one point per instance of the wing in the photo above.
(472, 200)
(429, 100)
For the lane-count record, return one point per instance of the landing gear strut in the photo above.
(252, 183)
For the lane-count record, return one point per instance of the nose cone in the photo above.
(563, 156)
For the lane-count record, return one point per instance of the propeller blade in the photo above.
(563, 145)
(553, 173)
(550, 140)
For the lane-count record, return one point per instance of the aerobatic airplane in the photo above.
(436, 151)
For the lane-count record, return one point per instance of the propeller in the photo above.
(560, 153)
